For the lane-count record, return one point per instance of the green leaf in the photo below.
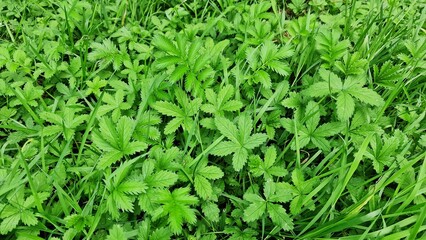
(231, 106)
(106, 53)
(167, 61)
(332, 79)
(115, 140)
(329, 129)
(116, 233)
(279, 217)
(168, 109)
(9, 223)
(227, 128)
(211, 211)
(173, 125)
(239, 159)
(279, 67)
(255, 140)
(163, 179)
(319, 89)
(177, 206)
(132, 187)
(203, 187)
(109, 158)
(254, 211)
(165, 44)
(178, 73)
(211, 172)
(283, 192)
(366, 95)
(225, 148)
(264, 78)
(345, 106)
(28, 218)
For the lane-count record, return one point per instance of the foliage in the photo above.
(211, 120)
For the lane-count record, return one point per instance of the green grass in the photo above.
(215, 119)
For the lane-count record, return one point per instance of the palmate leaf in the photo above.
(19, 209)
(241, 140)
(115, 140)
(176, 205)
(203, 179)
(115, 104)
(346, 92)
(382, 152)
(275, 193)
(300, 190)
(121, 189)
(266, 167)
(106, 53)
(329, 46)
(218, 103)
(183, 114)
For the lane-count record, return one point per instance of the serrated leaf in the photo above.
(132, 187)
(123, 201)
(211, 211)
(366, 95)
(178, 73)
(279, 67)
(165, 44)
(227, 128)
(9, 223)
(173, 125)
(201, 62)
(329, 129)
(331, 79)
(224, 148)
(254, 211)
(211, 172)
(231, 106)
(203, 187)
(169, 109)
(255, 140)
(345, 106)
(283, 192)
(28, 218)
(279, 216)
(167, 61)
(160, 234)
(319, 89)
(163, 179)
(109, 158)
(177, 206)
(264, 78)
(239, 159)
(116, 233)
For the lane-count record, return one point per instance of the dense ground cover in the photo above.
(214, 119)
